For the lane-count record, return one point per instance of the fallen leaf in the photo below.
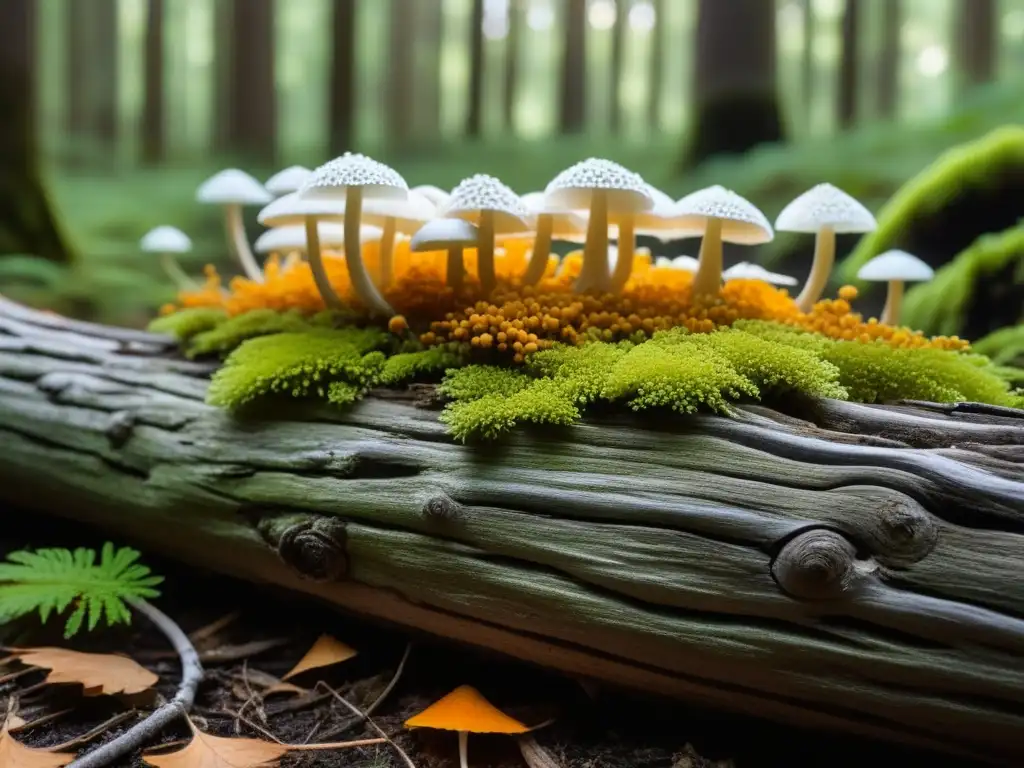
(14, 754)
(325, 652)
(206, 751)
(97, 673)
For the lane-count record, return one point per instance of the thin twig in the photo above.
(363, 716)
(99, 730)
(203, 634)
(142, 732)
(534, 754)
(39, 721)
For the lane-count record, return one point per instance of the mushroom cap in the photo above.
(896, 265)
(825, 206)
(465, 709)
(485, 193)
(441, 234)
(744, 270)
(687, 263)
(573, 188)
(409, 214)
(165, 240)
(292, 209)
(376, 180)
(663, 220)
(565, 224)
(289, 180)
(293, 237)
(742, 221)
(232, 187)
(436, 195)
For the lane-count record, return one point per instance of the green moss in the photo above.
(233, 331)
(478, 381)
(962, 167)
(938, 307)
(186, 323)
(406, 366)
(540, 401)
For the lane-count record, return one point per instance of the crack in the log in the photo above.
(110, 461)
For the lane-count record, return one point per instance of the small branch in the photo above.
(139, 734)
(365, 717)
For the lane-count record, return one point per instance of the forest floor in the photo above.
(264, 632)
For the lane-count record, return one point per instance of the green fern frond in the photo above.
(186, 323)
(50, 581)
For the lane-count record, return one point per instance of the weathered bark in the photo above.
(853, 568)
(889, 59)
(475, 100)
(249, 93)
(152, 131)
(976, 41)
(849, 61)
(342, 101)
(572, 98)
(27, 223)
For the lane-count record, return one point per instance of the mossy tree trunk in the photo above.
(27, 221)
(829, 564)
(735, 94)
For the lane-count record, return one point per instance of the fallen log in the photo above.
(826, 564)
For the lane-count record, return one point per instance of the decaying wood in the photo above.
(827, 564)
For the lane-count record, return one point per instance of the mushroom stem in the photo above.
(240, 244)
(463, 749)
(708, 279)
(594, 272)
(455, 273)
(485, 252)
(316, 265)
(627, 249)
(387, 253)
(362, 285)
(893, 303)
(541, 250)
(174, 271)
(821, 269)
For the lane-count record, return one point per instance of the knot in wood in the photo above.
(442, 507)
(818, 564)
(315, 549)
(119, 428)
(908, 534)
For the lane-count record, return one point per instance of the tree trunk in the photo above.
(400, 117)
(830, 565)
(511, 83)
(428, 68)
(572, 113)
(736, 104)
(889, 60)
(656, 67)
(342, 100)
(475, 101)
(105, 74)
(849, 60)
(618, 59)
(27, 223)
(807, 62)
(152, 129)
(251, 101)
(976, 41)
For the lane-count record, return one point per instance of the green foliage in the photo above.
(298, 364)
(227, 335)
(186, 323)
(1004, 347)
(937, 307)
(49, 581)
(477, 381)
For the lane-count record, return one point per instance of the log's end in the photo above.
(820, 564)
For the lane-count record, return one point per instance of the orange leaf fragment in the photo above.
(325, 652)
(97, 673)
(14, 754)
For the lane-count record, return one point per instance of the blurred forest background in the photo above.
(120, 108)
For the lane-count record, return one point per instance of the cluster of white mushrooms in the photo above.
(354, 199)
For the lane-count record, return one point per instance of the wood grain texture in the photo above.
(827, 564)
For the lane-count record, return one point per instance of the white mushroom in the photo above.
(287, 181)
(348, 180)
(687, 263)
(232, 189)
(293, 237)
(663, 220)
(436, 195)
(167, 241)
(895, 268)
(495, 209)
(396, 216)
(824, 211)
(724, 217)
(451, 235)
(552, 224)
(744, 270)
(603, 188)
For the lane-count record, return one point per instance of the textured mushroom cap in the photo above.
(825, 206)
(332, 179)
(564, 224)
(464, 709)
(165, 240)
(742, 222)
(663, 220)
(232, 187)
(409, 214)
(441, 234)
(574, 187)
(287, 181)
(747, 271)
(292, 209)
(436, 195)
(293, 238)
(485, 193)
(896, 265)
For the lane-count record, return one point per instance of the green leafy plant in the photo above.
(50, 581)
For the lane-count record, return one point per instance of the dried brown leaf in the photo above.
(325, 652)
(14, 754)
(97, 673)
